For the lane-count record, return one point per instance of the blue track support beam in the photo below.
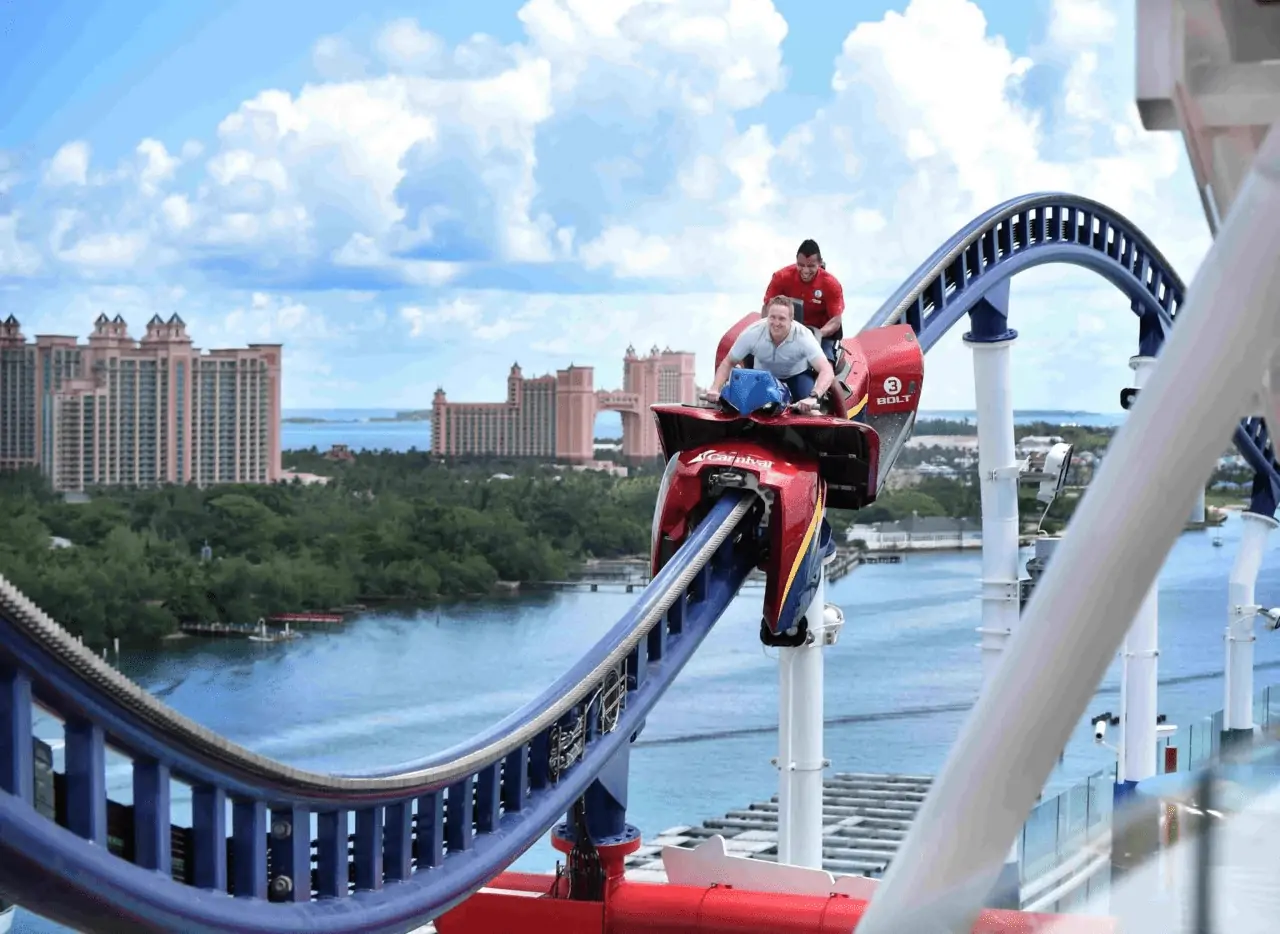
(17, 763)
(1151, 330)
(488, 798)
(86, 758)
(515, 780)
(1262, 499)
(333, 877)
(526, 791)
(606, 802)
(249, 843)
(989, 317)
(152, 836)
(431, 830)
(368, 849)
(209, 838)
(459, 817)
(291, 854)
(397, 842)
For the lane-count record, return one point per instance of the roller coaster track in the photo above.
(1056, 228)
(431, 832)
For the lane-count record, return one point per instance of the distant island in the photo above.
(417, 415)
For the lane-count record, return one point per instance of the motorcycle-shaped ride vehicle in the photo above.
(800, 464)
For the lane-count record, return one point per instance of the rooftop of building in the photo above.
(114, 332)
(920, 525)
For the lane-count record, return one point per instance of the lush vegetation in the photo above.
(387, 526)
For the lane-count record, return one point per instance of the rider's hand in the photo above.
(712, 396)
(809, 404)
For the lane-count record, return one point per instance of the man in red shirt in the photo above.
(808, 281)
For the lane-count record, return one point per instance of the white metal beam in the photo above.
(1228, 332)
(1235, 95)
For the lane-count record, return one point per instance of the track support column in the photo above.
(991, 340)
(1140, 660)
(800, 727)
(1237, 708)
(1138, 835)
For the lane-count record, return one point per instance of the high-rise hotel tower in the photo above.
(120, 412)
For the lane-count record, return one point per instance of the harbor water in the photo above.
(390, 687)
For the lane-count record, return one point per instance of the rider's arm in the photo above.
(835, 307)
(826, 375)
(722, 372)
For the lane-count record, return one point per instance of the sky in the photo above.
(420, 194)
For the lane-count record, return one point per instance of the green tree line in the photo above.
(387, 526)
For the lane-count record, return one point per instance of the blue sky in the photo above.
(417, 194)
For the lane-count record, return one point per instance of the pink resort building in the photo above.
(123, 412)
(553, 417)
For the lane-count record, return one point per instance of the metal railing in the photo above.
(263, 833)
(1059, 828)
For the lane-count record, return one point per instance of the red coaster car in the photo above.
(801, 464)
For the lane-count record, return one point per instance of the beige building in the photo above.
(120, 412)
(554, 416)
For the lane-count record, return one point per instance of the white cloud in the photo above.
(69, 166)
(1076, 23)
(9, 174)
(448, 315)
(334, 58)
(404, 44)
(157, 167)
(106, 250)
(176, 212)
(705, 53)
(615, 144)
(273, 319)
(17, 258)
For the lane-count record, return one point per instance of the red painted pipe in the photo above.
(637, 908)
(647, 908)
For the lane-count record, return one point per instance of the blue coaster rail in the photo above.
(970, 273)
(427, 834)
(430, 832)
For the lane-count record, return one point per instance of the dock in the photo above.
(847, 560)
(255, 631)
(755, 581)
(865, 817)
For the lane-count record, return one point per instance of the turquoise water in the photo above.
(353, 428)
(391, 687)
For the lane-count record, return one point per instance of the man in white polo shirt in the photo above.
(784, 348)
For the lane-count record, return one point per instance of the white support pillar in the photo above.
(1140, 661)
(998, 473)
(1198, 511)
(1238, 704)
(800, 728)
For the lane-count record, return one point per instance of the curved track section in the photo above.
(271, 847)
(1057, 228)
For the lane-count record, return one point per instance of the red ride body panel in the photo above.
(795, 483)
(895, 368)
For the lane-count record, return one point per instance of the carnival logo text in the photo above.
(724, 457)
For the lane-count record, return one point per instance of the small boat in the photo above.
(262, 635)
(1217, 541)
